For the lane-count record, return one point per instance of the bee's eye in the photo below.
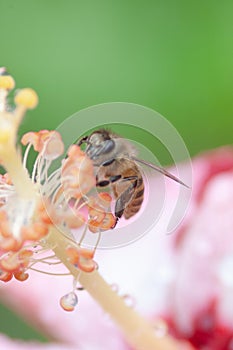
(94, 150)
(108, 146)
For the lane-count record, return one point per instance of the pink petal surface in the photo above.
(185, 277)
(201, 302)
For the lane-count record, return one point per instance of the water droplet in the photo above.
(115, 287)
(69, 301)
(129, 300)
(160, 328)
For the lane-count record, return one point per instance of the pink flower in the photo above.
(200, 305)
(186, 277)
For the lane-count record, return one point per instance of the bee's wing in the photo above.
(160, 170)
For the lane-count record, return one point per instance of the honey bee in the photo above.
(115, 161)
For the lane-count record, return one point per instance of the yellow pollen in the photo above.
(7, 82)
(26, 98)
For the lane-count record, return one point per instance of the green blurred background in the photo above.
(173, 56)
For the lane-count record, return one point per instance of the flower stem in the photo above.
(139, 333)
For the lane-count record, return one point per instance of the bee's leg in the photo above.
(104, 183)
(125, 196)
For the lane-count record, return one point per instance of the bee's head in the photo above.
(99, 145)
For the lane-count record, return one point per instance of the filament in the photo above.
(51, 273)
(98, 240)
(83, 236)
(25, 157)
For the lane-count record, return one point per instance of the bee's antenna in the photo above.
(82, 140)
